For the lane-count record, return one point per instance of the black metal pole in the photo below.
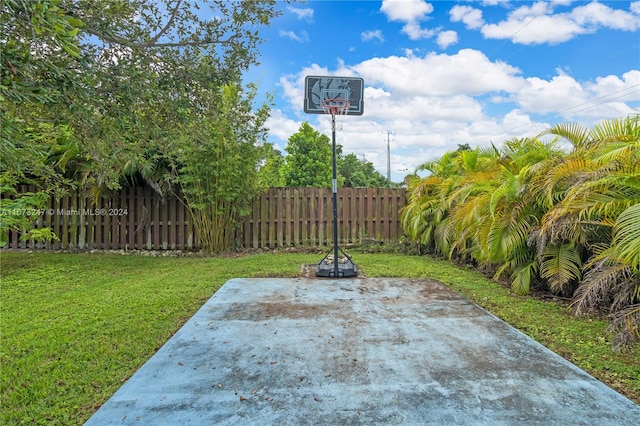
(335, 198)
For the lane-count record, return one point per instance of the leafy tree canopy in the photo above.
(308, 159)
(309, 163)
(358, 172)
(270, 174)
(116, 77)
(93, 91)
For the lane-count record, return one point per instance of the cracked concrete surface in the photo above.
(382, 351)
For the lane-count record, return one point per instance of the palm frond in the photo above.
(495, 237)
(595, 289)
(615, 151)
(561, 265)
(616, 129)
(625, 325)
(563, 177)
(574, 133)
(626, 239)
(520, 227)
(489, 151)
(521, 278)
(444, 234)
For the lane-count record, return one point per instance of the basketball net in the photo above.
(336, 106)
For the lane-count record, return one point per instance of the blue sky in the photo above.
(442, 73)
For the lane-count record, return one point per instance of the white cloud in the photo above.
(446, 39)
(293, 85)
(407, 10)
(416, 32)
(409, 53)
(611, 96)
(302, 13)
(562, 2)
(545, 96)
(300, 38)
(520, 123)
(497, 2)
(437, 101)
(372, 34)
(470, 16)
(538, 24)
(281, 127)
(626, 88)
(533, 28)
(375, 93)
(599, 15)
(467, 72)
(607, 97)
(411, 12)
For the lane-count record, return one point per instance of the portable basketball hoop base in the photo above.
(333, 266)
(345, 267)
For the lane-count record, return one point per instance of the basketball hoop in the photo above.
(333, 96)
(336, 106)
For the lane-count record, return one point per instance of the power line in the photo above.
(621, 94)
(601, 100)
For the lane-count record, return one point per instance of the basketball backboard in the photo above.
(318, 89)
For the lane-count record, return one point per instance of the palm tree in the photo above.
(569, 221)
(596, 216)
(424, 212)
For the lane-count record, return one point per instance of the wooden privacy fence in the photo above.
(139, 219)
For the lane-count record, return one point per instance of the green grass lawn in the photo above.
(76, 326)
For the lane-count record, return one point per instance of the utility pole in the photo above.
(389, 133)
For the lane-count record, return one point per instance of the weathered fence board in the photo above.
(137, 218)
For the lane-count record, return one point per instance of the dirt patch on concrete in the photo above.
(285, 309)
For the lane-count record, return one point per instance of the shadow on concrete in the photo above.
(356, 352)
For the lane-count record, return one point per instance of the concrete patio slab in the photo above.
(356, 352)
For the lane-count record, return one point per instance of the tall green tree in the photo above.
(152, 64)
(39, 58)
(308, 159)
(309, 163)
(120, 75)
(357, 172)
(95, 90)
(38, 72)
(270, 173)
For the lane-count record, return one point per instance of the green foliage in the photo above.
(596, 210)
(626, 238)
(309, 163)
(98, 93)
(217, 165)
(556, 221)
(561, 266)
(38, 76)
(360, 173)
(308, 160)
(270, 173)
(156, 64)
(18, 214)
